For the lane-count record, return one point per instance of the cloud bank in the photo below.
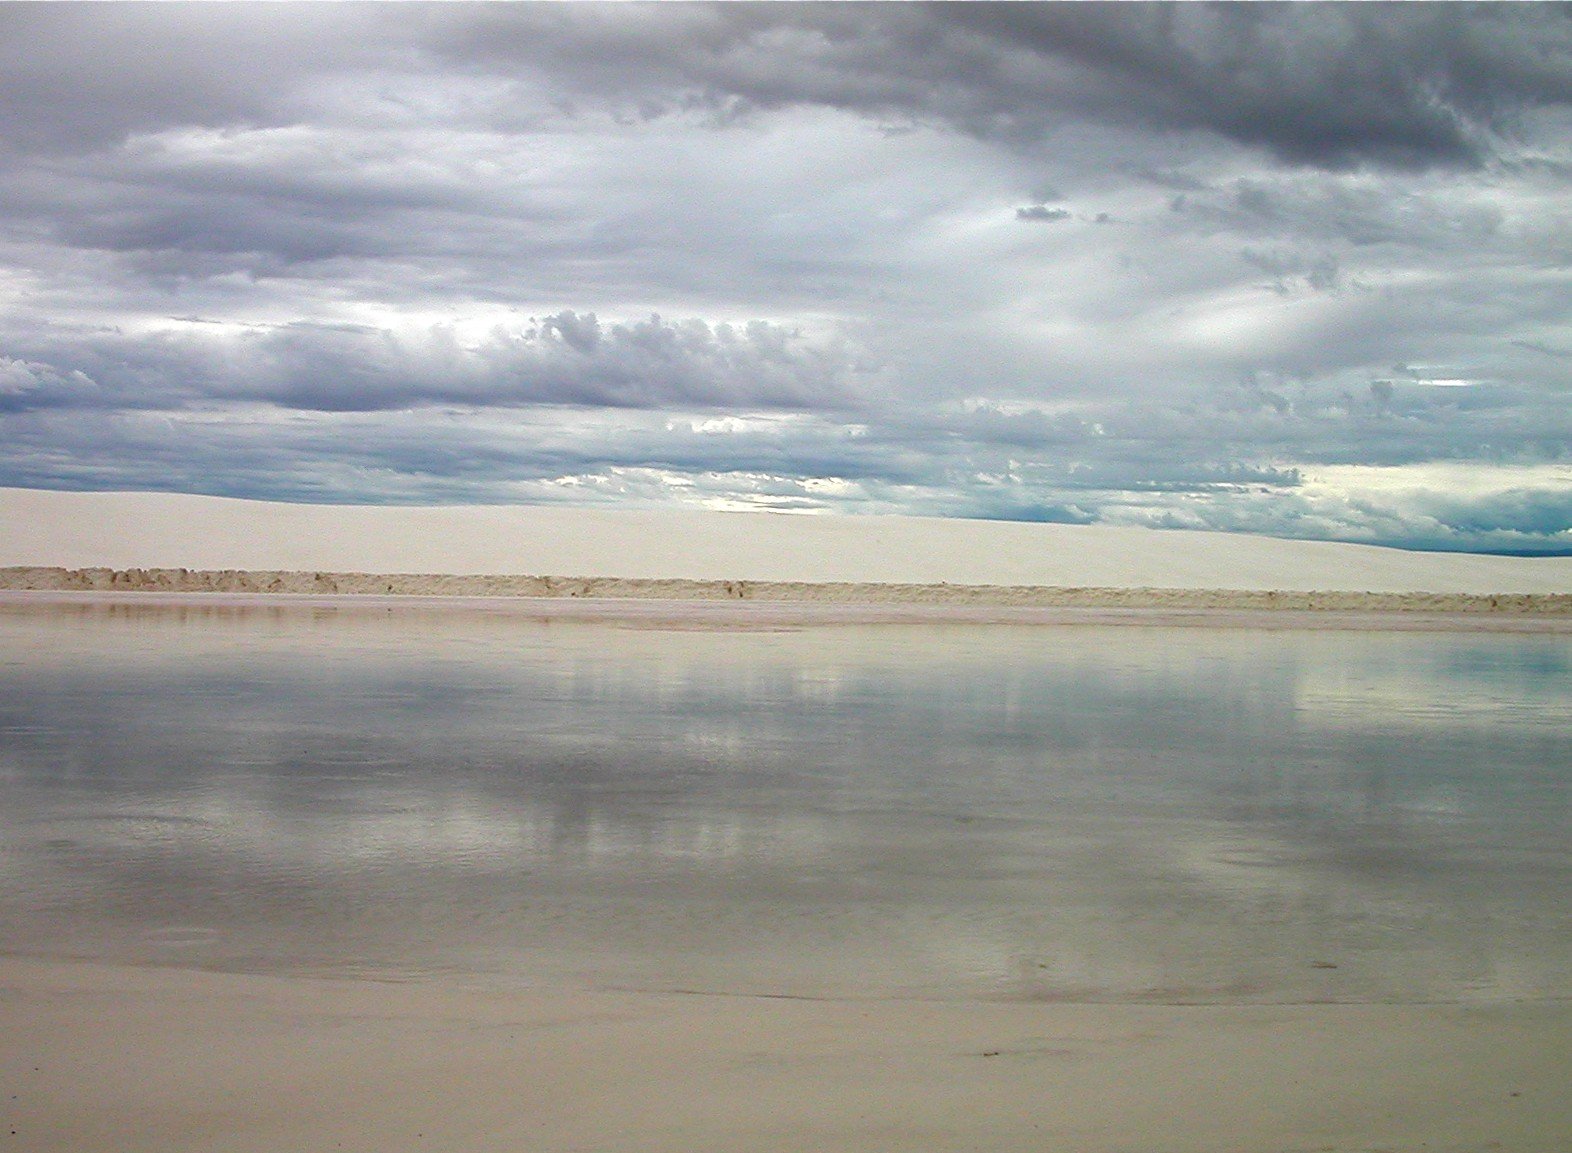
(1291, 269)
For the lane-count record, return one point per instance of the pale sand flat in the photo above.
(151, 530)
(99, 1058)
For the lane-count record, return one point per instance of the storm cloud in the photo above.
(1297, 269)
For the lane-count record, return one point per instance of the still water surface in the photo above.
(1077, 811)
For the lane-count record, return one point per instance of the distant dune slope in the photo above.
(160, 530)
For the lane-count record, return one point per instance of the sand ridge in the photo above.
(180, 580)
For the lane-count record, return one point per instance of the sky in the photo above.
(1300, 270)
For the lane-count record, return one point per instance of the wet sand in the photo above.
(101, 1058)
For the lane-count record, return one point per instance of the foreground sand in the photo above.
(100, 1058)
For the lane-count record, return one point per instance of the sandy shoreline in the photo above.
(977, 598)
(105, 1058)
(729, 614)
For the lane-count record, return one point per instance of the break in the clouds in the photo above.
(1300, 269)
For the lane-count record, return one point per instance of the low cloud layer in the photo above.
(1290, 269)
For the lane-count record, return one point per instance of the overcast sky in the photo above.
(1301, 270)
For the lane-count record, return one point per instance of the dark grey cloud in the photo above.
(75, 79)
(1320, 84)
(1332, 85)
(566, 359)
(1041, 213)
(1328, 85)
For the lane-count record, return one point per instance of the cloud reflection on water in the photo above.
(1054, 811)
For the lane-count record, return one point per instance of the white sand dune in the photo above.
(124, 530)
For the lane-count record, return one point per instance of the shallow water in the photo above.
(1074, 811)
